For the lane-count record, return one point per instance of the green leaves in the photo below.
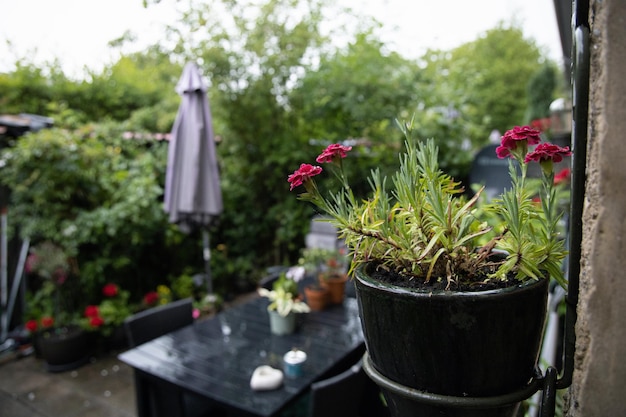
(421, 226)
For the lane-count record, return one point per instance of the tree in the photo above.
(136, 81)
(355, 96)
(541, 88)
(486, 79)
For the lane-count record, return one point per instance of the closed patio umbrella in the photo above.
(193, 197)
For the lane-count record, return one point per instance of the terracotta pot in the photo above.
(336, 285)
(316, 297)
(453, 344)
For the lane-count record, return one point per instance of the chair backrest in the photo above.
(339, 395)
(157, 321)
(488, 170)
(322, 235)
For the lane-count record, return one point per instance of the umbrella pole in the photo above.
(207, 261)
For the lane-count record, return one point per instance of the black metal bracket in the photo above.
(448, 400)
(580, 100)
(580, 119)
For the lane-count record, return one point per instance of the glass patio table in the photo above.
(215, 358)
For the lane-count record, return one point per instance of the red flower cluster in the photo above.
(548, 152)
(516, 136)
(93, 314)
(32, 325)
(303, 174)
(333, 153)
(542, 124)
(151, 298)
(522, 137)
(562, 176)
(110, 290)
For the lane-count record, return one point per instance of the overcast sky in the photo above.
(77, 31)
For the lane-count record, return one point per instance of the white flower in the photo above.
(296, 273)
(283, 302)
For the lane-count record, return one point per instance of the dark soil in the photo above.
(477, 283)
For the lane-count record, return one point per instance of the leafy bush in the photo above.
(100, 198)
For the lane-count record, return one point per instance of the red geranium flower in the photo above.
(562, 176)
(31, 326)
(110, 290)
(332, 152)
(548, 152)
(151, 298)
(47, 321)
(542, 124)
(92, 311)
(96, 321)
(303, 174)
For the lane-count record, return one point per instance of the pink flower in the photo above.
(31, 326)
(548, 152)
(92, 311)
(47, 321)
(195, 313)
(110, 290)
(31, 263)
(525, 135)
(303, 174)
(332, 152)
(60, 276)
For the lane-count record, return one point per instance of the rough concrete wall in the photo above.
(599, 386)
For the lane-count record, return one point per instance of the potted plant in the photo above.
(55, 328)
(329, 267)
(107, 318)
(452, 296)
(284, 304)
(315, 294)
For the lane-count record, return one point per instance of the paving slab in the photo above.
(102, 388)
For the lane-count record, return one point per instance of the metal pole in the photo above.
(17, 279)
(579, 178)
(207, 260)
(4, 287)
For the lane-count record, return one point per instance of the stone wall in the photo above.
(599, 386)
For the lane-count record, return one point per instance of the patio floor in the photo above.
(102, 388)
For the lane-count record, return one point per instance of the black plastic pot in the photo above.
(64, 349)
(454, 345)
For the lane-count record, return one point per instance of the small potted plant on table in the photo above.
(285, 303)
(330, 269)
(452, 298)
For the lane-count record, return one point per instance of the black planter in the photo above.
(115, 341)
(64, 349)
(453, 345)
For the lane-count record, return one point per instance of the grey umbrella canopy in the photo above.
(193, 197)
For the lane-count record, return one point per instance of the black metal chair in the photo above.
(157, 321)
(348, 394)
(160, 399)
